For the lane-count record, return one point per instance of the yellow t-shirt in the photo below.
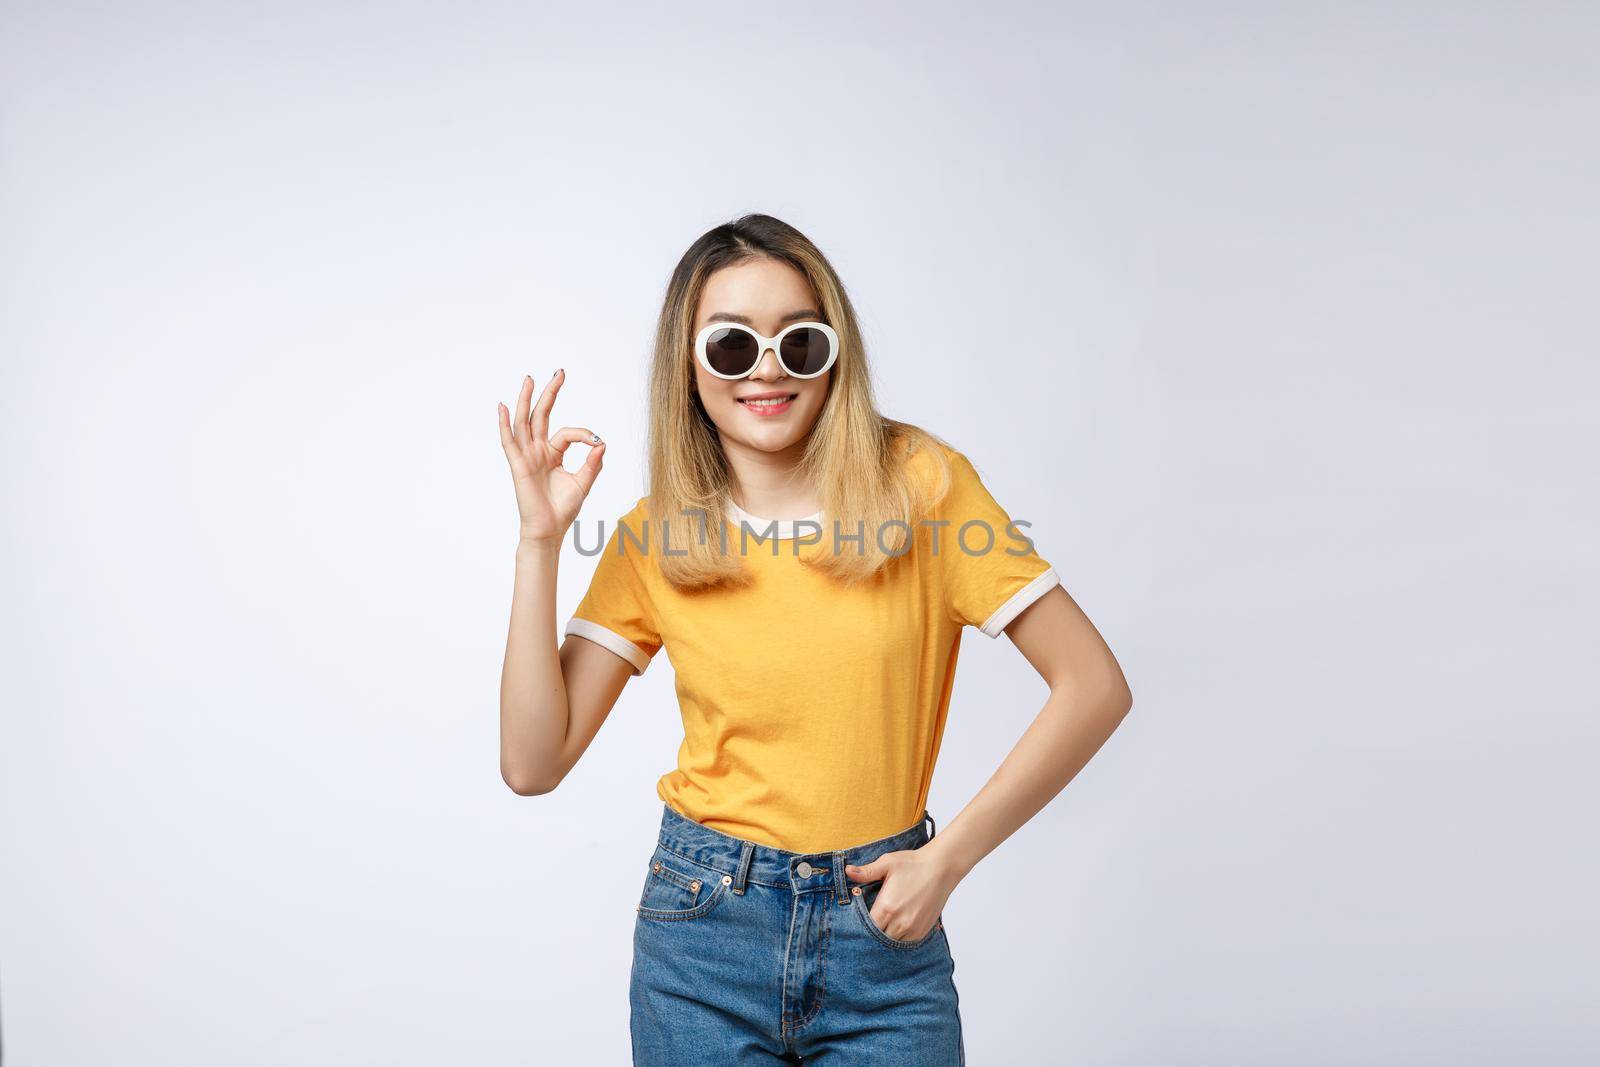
(812, 712)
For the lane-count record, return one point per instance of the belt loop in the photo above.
(745, 856)
(934, 827)
(841, 890)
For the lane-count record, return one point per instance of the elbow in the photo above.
(1122, 700)
(1116, 698)
(1106, 694)
(524, 784)
(1119, 697)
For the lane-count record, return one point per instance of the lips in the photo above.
(767, 405)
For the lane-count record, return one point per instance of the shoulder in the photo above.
(626, 535)
(938, 469)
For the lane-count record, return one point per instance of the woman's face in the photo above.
(765, 295)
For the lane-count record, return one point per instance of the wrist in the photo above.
(948, 854)
(542, 548)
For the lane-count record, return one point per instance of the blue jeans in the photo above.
(744, 953)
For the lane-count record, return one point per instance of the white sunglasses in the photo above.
(733, 350)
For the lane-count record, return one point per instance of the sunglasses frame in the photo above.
(763, 343)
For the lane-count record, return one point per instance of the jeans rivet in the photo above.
(727, 879)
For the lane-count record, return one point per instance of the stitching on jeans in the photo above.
(746, 857)
(822, 971)
(961, 1041)
(748, 880)
(885, 939)
(673, 876)
(689, 913)
(778, 885)
(718, 871)
(783, 996)
(696, 826)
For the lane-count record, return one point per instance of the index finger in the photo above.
(541, 410)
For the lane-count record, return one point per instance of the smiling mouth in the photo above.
(770, 405)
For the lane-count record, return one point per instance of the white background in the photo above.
(1277, 322)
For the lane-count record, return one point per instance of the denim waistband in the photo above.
(748, 861)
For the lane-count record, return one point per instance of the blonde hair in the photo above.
(859, 460)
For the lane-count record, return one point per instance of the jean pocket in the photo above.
(863, 909)
(675, 888)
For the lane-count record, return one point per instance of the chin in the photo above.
(764, 438)
(773, 440)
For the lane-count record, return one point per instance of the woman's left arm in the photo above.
(1088, 699)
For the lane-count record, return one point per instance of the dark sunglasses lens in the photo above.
(731, 351)
(806, 350)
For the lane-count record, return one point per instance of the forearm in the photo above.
(533, 695)
(1076, 720)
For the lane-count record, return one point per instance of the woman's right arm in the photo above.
(552, 701)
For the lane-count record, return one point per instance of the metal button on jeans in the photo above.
(804, 869)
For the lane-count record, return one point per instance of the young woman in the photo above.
(793, 903)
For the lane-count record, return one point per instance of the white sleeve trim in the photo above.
(997, 623)
(605, 638)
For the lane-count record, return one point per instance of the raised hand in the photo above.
(548, 495)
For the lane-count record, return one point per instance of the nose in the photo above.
(768, 369)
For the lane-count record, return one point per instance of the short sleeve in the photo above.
(616, 612)
(990, 568)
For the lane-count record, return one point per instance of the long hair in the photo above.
(862, 463)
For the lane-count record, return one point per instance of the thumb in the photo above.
(867, 872)
(589, 469)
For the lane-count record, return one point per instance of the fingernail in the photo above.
(595, 438)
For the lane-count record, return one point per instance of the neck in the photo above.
(768, 484)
